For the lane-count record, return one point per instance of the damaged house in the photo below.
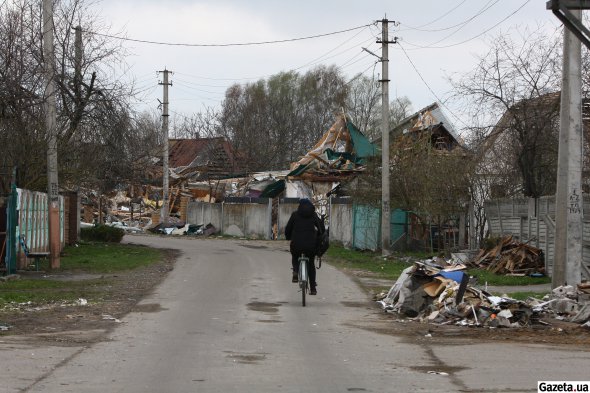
(339, 156)
(428, 181)
(197, 167)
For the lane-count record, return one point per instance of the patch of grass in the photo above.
(37, 297)
(107, 257)
(94, 258)
(40, 290)
(368, 261)
(484, 276)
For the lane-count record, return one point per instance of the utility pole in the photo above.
(568, 199)
(164, 214)
(50, 124)
(385, 208)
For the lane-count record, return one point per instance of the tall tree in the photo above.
(510, 87)
(87, 93)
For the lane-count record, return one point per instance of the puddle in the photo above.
(149, 307)
(437, 369)
(264, 307)
(253, 246)
(246, 358)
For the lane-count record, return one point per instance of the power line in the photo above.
(484, 9)
(312, 62)
(429, 88)
(472, 38)
(419, 28)
(228, 44)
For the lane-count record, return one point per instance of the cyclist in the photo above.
(303, 230)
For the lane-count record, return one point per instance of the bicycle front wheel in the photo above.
(303, 290)
(303, 278)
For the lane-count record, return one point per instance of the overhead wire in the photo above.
(312, 62)
(429, 88)
(226, 44)
(416, 47)
(420, 28)
(465, 23)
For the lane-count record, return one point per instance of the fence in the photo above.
(249, 217)
(356, 226)
(533, 221)
(27, 221)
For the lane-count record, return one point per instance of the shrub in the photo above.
(102, 233)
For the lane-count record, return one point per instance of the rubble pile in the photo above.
(510, 257)
(443, 295)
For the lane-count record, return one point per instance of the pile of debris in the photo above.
(510, 257)
(443, 295)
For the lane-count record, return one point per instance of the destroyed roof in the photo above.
(430, 118)
(341, 151)
(189, 157)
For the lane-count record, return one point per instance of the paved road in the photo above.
(228, 319)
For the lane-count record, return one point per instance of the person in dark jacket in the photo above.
(303, 230)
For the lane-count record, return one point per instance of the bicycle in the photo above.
(303, 279)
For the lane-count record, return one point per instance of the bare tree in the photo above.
(88, 96)
(511, 86)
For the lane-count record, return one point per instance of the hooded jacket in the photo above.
(303, 228)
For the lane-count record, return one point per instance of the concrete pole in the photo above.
(164, 214)
(50, 124)
(568, 199)
(385, 208)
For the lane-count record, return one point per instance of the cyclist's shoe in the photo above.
(313, 291)
(295, 277)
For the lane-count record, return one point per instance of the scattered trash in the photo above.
(4, 328)
(82, 302)
(437, 372)
(110, 318)
(429, 292)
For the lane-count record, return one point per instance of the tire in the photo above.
(303, 284)
(303, 290)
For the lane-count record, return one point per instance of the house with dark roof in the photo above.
(201, 159)
(431, 120)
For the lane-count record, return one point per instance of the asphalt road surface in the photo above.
(228, 319)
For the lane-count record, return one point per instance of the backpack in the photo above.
(323, 243)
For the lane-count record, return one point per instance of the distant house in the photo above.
(431, 120)
(201, 159)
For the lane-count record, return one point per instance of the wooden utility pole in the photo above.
(385, 207)
(50, 124)
(164, 213)
(568, 200)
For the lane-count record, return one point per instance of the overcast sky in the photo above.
(441, 37)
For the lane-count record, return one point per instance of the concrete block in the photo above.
(564, 306)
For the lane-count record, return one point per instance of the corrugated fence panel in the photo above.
(33, 225)
(367, 227)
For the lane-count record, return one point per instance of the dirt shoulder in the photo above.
(75, 322)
